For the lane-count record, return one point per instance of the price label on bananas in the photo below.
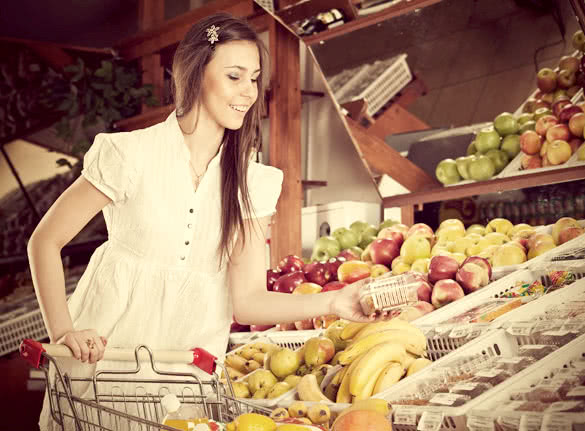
(480, 421)
(430, 421)
(405, 416)
(520, 329)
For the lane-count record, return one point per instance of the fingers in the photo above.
(86, 346)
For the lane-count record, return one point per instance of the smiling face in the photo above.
(230, 87)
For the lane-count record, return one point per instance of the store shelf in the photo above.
(305, 9)
(438, 194)
(401, 8)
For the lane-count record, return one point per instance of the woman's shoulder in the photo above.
(145, 136)
(260, 172)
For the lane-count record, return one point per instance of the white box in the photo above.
(322, 220)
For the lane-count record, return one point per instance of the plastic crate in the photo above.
(291, 339)
(494, 404)
(497, 343)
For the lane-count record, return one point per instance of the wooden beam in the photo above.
(146, 119)
(385, 159)
(285, 140)
(396, 120)
(173, 30)
(151, 13)
(523, 180)
(407, 215)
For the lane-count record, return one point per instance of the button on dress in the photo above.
(156, 280)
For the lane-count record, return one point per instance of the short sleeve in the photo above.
(264, 186)
(109, 166)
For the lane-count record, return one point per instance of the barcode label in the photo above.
(489, 373)
(520, 329)
(444, 399)
(405, 416)
(461, 331)
(509, 421)
(513, 360)
(464, 387)
(430, 421)
(477, 421)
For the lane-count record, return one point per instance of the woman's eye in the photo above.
(233, 77)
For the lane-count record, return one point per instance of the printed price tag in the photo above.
(572, 326)
(405, 416)
(563, 406)
(464, 387)
(509, 421)
(556, 422)
(460, 331)
(559, 333)
(480, 421)
(520, 329)
(430, 421)
(533, 347)
(513, 360)
(489, 373)
(445, 399)
(530, 422)
(579, 391)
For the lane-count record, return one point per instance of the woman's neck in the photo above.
(202, 139)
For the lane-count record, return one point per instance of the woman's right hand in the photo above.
(86, 345)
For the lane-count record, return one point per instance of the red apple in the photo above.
(558, 132)
(399, 227)
(531, 162)
(577, 123)
(445, 292)
(258, 328)
(481, 261)
(472, 277)
(286, 326)
(378, 269)
(333, 265)
(415, 311)
(568, 111)
(352, 271)
(271, 276)
(288, 282)
(545, 161)
(546, 79)
(291, 263)
(349, 254)
(566, 79)
(530, 142)
(304, 325)
(317, 272)
(395, 235)
(384, 251)
(569, 233)
(333, 285)
(323, 322)
(570, 63)
(575, 143)
(420, 229)
(544, 123)
(441, 268)
(558, 106)
(424, 291)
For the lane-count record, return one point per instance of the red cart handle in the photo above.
(32, 351)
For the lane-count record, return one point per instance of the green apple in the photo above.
(325, 248)
(357, 250)
(387, 223)
(529, 125)
(476, 228)
(500, 159)
(471, 149)
(581, 153)
(414, 248)
(463, 166)
(541, 112)
(421, 265)
(346, 238)
(526, 116)
(578, 40)
(358, 226)
(446, 172)
(481, 168)
(506, 124)
(487, 139)
(367, 235)
(511, 145)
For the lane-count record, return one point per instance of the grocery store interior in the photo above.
(434, 142)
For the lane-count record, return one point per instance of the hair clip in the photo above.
(212, 36)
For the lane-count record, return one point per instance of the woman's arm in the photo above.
(253, 304)
(66, 217)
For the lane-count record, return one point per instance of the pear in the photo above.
(241, 390)
(292, 380)
(261, 379)
(284, 362)
(278, 389)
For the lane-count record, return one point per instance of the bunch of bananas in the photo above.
(376, 357)
(248, 358)
(299, 412)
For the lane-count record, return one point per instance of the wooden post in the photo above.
(285, 140)
(150, 14)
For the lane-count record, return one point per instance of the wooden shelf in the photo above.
(309, 184)
(437, 194)
(368, 20)
(305, 9)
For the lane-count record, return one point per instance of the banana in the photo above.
(412, 344)
(251, 365)
(248, 352)
(298, 409)
(259, 357)
(384, 326)
(330, 391)
(319, 413)
(343, 395)
(391, 374)
(305, 421)
(351, 329)
(233, 373)
(321, 371)
(417, 365)
(279, 413)
(265, 347)
(410, 358)
(261, 393)
(236, 362)
(368, 389)
(371, 364)
(308, 389)
(338, 377)
(335, 359)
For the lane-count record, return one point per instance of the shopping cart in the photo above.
(113, 409)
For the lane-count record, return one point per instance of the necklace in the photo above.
(197, 179)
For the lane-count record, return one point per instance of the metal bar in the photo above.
(20, 184)
(579, 8)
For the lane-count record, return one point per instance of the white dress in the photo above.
(156, 280)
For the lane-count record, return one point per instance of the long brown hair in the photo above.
(192, 56)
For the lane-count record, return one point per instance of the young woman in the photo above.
(186, 211)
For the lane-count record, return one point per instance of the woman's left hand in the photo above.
(346, 304)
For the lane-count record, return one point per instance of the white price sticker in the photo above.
(533, 347)
(405, 416)
(460, 331)
(430, 421)
(559, 333)
(556, 422)
(563, 406)
(480, 421)
(444, 399)
(513, 360)
(489, 373)
(466, 387)
(520, 329)
(530, 422)
(509, 421)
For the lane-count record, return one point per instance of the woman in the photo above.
(186, 212)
